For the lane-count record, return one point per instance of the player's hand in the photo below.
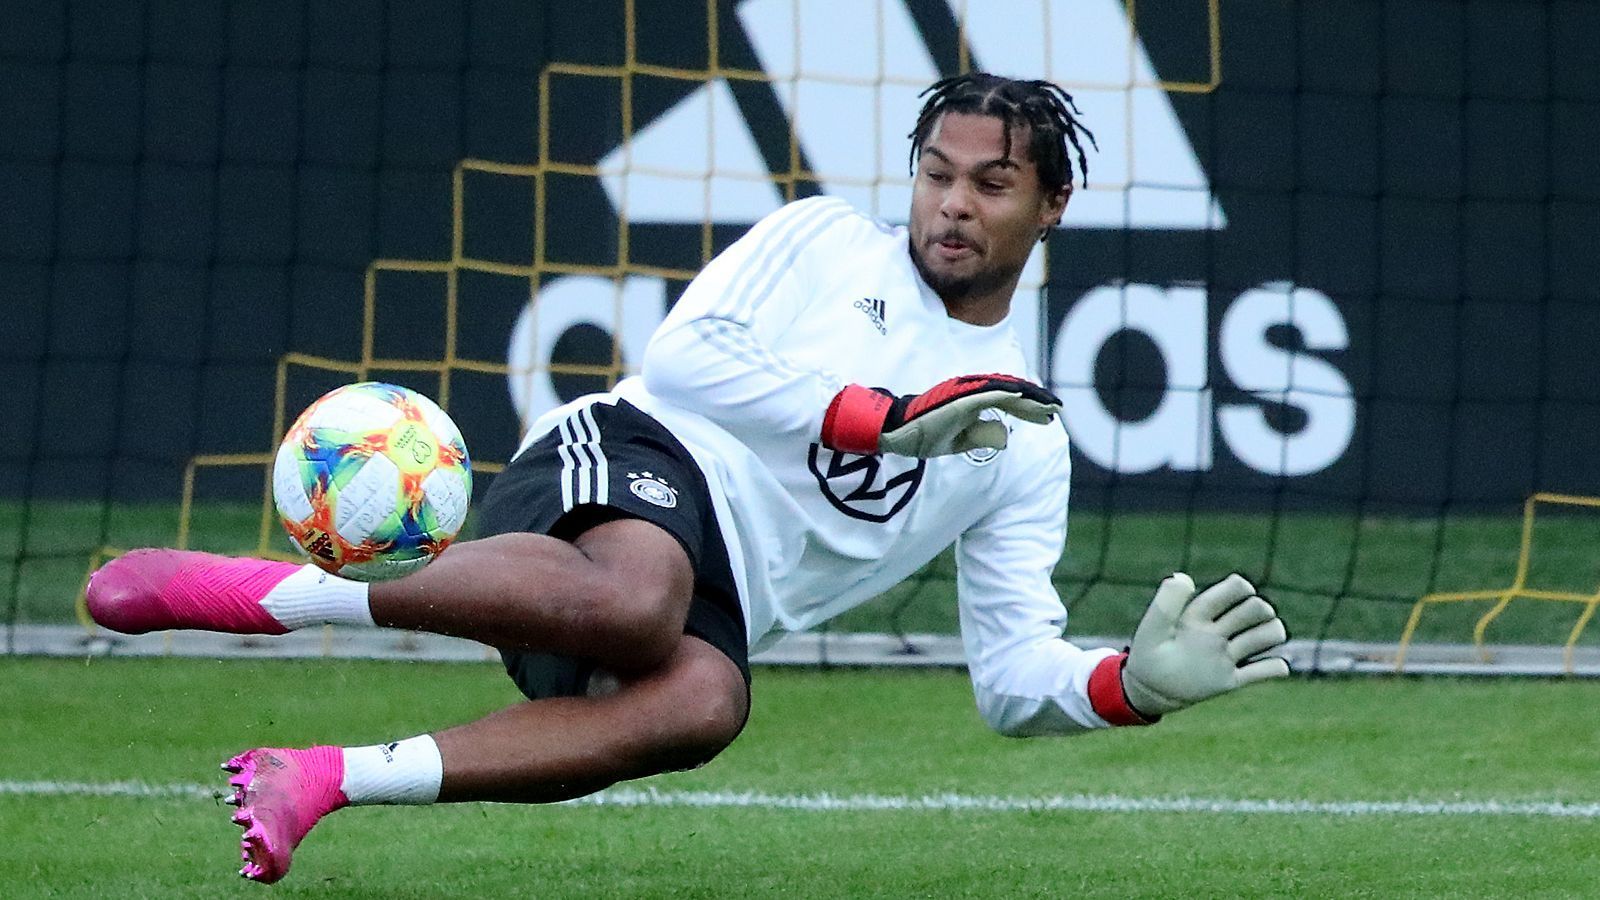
(1189, 648)
(941, 420)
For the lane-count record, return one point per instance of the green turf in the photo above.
(882, 732)
(1331, 575)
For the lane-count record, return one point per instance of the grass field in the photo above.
(1331, 575)
(74, 726)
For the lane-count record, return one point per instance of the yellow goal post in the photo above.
(1518, 589)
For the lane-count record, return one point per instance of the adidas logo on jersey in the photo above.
(874, 309)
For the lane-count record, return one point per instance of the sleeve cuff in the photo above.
(854, 421)
(1107, 697)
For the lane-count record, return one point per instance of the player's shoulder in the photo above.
(1048, 439)
(1039, 443)
(821, 220)
(1036, 456)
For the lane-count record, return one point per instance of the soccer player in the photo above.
(831, 404)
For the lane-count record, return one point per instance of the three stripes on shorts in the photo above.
(585, 477)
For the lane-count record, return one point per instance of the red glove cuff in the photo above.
(855, 418)
(1107, 697)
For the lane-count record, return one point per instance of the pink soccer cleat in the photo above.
(281, 794)
(151, 590)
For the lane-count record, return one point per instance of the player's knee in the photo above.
(718, 714)
(642, 587)
(645, 619)
(710, 710)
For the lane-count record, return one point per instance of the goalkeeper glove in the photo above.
(1190, 648)
(943, 419)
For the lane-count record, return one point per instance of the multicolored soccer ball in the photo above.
(372, 481)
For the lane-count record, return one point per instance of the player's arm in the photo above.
(713, 354)
(946, 418)
(1026, 678)
(1029, 680)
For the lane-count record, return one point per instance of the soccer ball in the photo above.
(372, 481)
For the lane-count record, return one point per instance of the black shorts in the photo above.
(606, 462)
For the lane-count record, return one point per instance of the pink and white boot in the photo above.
(281, 794)
(152, 590)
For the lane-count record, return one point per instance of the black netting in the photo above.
(1386, 327)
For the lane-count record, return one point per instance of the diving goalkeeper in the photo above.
(831, 404)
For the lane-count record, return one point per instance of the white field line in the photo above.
(959, 803)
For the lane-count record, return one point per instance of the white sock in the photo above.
(313, 597)
(407, 771)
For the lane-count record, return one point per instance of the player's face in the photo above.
(976, 213)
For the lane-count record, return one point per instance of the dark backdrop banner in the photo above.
(1348, 262)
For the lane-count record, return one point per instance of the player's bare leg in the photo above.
(617, 594)
(679, 715)
(676, 717)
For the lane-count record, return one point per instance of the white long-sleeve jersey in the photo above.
(814, 297)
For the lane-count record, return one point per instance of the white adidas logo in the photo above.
(847, 79)
(846, 76)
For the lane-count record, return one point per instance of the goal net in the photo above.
(1267, 311)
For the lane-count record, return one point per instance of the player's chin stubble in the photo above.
(953, 289)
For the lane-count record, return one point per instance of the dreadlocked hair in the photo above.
(1044, 108)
